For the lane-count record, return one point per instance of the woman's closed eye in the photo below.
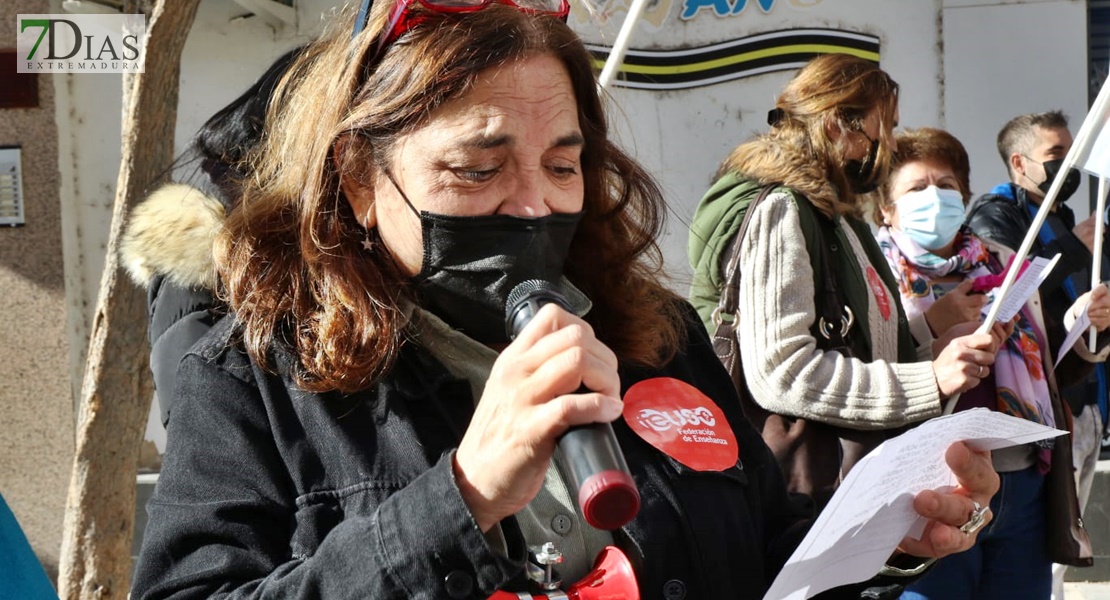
(475, 174)
(563, 170)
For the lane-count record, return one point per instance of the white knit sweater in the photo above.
(786, 372)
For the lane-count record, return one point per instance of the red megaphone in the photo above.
(611, 579)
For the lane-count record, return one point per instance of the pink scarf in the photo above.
(1021, 388)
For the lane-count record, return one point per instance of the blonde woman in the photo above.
(829, 144)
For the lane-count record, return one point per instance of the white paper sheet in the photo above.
(873, 509)
(1023, 288)
(1082, 323)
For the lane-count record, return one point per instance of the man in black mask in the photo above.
(1033, 147)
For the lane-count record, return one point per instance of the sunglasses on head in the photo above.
(402, 18)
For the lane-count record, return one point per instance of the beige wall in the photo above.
(36, 407)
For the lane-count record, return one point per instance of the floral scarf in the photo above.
(1021, 388)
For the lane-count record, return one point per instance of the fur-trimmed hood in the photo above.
(773, 160)
(170, 233)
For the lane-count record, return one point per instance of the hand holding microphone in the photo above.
(607, 493)
(531, 398)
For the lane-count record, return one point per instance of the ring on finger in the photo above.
(979, 373)
(976, 520)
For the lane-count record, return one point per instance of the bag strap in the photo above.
(730, 294)
(835, 318)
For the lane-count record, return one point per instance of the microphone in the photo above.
(607, 493)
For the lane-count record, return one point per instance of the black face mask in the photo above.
(1051, 171)
(859, 172)
(472, 263)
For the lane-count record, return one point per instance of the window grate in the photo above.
(11, 188)
(1098, 44)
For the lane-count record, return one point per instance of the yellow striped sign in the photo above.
(735, 59)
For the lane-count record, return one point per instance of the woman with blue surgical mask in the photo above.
(945, 273)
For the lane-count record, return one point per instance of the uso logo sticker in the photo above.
(681, 422)
(878, 289)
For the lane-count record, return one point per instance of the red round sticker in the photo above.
(682, 422)
(878, 288)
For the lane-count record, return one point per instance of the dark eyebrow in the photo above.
(574, 139)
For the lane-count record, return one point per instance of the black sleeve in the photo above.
(1073, 368)
(224, 511)
(179, 316)
(169, 302)
(1073, 257)
(997, 221)
(1000, 221)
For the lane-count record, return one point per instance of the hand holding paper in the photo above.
(1006, 300)
(1098, 301)
(945, 512)
(964, 359)
(873, 509)
(1024, 287)
(959, 305)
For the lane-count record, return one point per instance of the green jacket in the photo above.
(717, 221)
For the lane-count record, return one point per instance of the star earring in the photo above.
(367, 241)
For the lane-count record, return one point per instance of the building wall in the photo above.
(36, 416)
(993, 75)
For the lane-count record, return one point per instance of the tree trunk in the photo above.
(116, 391)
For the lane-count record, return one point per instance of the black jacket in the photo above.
(1005, 220)
(268, 491)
